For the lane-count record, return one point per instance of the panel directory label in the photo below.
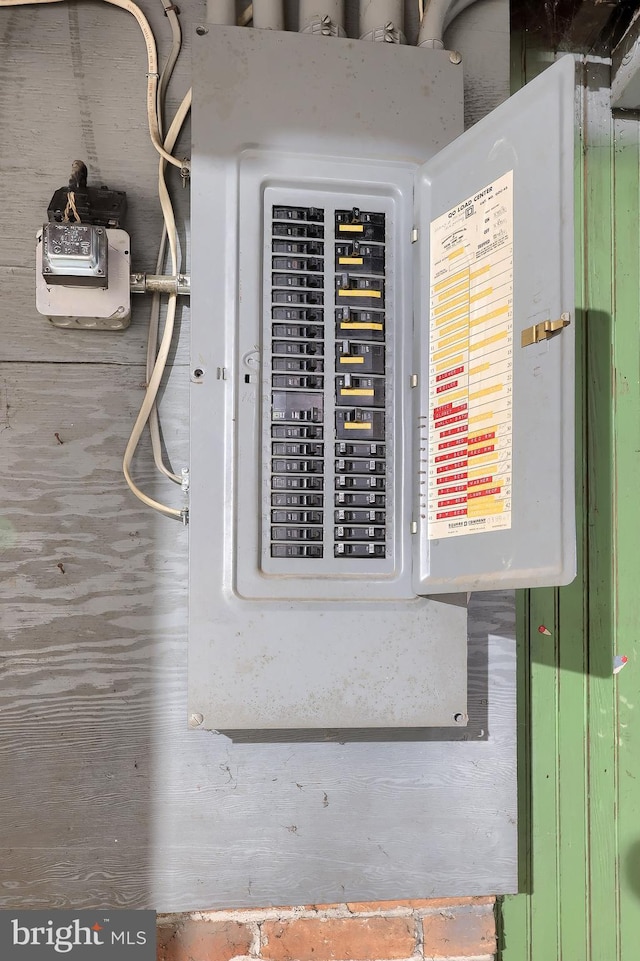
(471, 364)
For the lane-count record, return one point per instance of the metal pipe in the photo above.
(437, 16)
(268, 14)
(382, 21)
(160, 284)
(322, 17)
(456, 8)
(221, 11)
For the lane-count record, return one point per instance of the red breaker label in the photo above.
(449, 386)
(482, 450)
(446, 467)
(449, 373)
(456, 442)
(452, 501)
(450, 478)
(454, 430)
(452, 490)
(446, 409)
(459, 513)
(484, 493)
(451, 420)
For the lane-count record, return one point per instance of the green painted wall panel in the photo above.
(579, 751)
(626, 392)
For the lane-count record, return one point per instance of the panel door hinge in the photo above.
(415, 234)
(543, 330)
(413, 380)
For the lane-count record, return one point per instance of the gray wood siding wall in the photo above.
(106, 798)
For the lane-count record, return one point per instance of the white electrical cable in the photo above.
(170, 233)
(246, 16)
(152, 67)
(167, 71)
(149, 399)
(167, 335)
(154, 316)
(155, 102)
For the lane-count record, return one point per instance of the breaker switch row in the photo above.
(297, 364)
(296, 517)
(360, 383)
(295, 499)
(297, 382)
(293, 382)
(342, 549)
(298, 280)
(296, 550)
(298, 247)
(359, 517)
(302, 231)
(297, 432)
(307, 214)
(298, 297)
(364, 325)
(297, 263)
(281, 449)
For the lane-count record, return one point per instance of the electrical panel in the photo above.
(378, 398)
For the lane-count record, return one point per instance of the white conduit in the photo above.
(268, 14)
(438, 15)
(382, 20)
(324, 17)
(221, 11)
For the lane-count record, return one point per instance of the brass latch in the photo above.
(543, 330)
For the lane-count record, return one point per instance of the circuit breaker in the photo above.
(325, 475)
(382, 399)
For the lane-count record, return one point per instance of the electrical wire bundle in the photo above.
(156, 356)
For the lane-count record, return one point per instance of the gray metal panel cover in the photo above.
(268, 652)
(531, 135)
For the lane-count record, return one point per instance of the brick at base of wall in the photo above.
(421, 930)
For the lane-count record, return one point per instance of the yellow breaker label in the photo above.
(471, 365)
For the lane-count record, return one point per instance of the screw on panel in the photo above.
(202, 31)
(460, 718)
(455, 57)
(195, 720)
